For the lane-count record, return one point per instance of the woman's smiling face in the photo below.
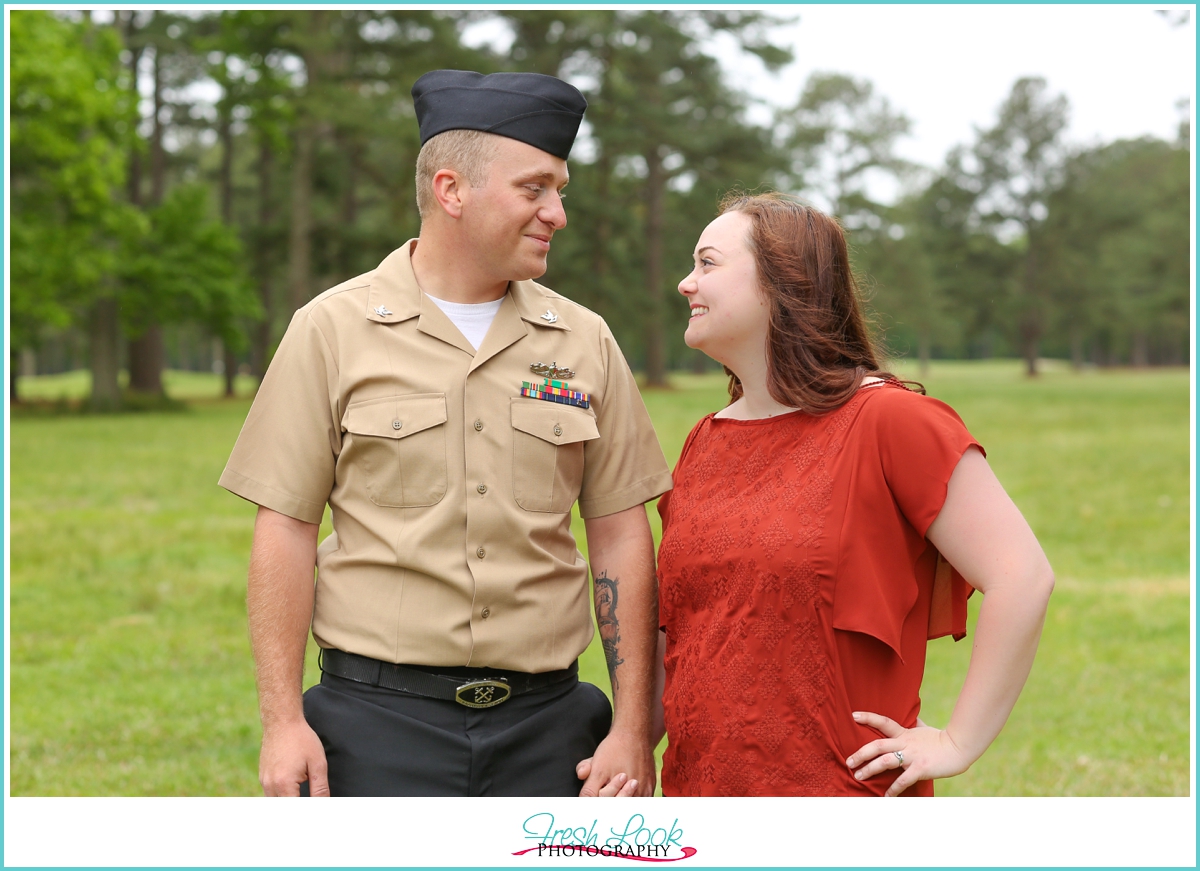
(729, 313)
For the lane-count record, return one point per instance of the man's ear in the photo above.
(447, 190)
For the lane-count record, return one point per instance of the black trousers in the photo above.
(382, 742)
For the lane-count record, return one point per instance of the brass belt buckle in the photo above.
(483, 693)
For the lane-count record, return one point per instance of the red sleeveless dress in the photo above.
(796, 586)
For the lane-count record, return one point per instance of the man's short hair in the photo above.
(469, 152)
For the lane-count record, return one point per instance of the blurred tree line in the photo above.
(181, 182)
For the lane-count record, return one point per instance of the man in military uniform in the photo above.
(451, 412)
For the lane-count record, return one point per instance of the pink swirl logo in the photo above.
(634, 852)
(635, 839)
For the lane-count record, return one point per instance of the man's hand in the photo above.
(279, 604)
(621, 551)
(292, 754)
(623, 766)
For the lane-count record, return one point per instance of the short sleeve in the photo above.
(285, 455)
(908, 448)
(625, 466)
(920, 443)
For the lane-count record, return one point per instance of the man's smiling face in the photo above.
(509, 221)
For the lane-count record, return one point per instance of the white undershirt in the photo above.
(471, 318)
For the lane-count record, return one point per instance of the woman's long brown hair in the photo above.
(818, 346)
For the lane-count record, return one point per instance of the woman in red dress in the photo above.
(823, 526)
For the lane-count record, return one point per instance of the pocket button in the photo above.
(396, 424)
(481, 553)
(557, 430)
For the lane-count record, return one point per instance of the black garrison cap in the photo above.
(541, 111)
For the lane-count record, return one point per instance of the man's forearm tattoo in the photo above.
(610, 626)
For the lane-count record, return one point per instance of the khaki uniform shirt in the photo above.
(450, 492)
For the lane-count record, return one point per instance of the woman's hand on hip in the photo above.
(922, 753)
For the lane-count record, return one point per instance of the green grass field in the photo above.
(130, 665)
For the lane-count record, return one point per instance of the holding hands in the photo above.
(619, 786)
(923, 753)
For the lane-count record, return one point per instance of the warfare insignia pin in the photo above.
(550, 317)
(551, 371)
(382, 311)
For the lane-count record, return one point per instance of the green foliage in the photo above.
(131, 671)
(71, 118)
(973, 271)
(838, 134)
(188, 267)
(1012, 246)
(1020, 157)
(1082, 255)
(667, 138)
(1118, 259)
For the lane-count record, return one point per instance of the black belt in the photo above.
(472, 687)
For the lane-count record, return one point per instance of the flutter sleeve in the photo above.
(909, 447)
(920, 444)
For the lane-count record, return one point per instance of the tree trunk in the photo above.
(1174, 349)
(231, 366)
(146, 354)
(158, 154)
(924, 351)
(347, 247)
(1029, 350)
(1140, 352)
(226, 133)
(105, 335)
(602, 222)
(300, 241)
(300, 237)
(1076, 348)
(1030, 323)
(13, 372)
(147, 358)
(656, 183)
(601, 232)
(262, 261)
(135, 154)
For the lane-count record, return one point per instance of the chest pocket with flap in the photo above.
(400, 442)
(548, 442)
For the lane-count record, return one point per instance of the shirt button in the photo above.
(478, 425)
(485, 613)
(396, 424)
(482, 488)
(481, 553)
(557, 429)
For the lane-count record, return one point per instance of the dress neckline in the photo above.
(756, 421)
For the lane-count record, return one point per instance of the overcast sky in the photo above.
(948, 67)
(1124, 69)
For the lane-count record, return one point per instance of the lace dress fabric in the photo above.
(796, 586)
